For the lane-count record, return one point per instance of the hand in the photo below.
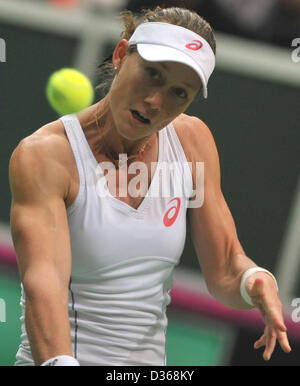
(263, 292)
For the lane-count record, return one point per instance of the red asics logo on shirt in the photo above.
(195, 45)
(170, 218)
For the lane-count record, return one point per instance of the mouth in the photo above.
(140, 117)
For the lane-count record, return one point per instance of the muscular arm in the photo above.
(218, 249)
(40, 234)
(220, 254)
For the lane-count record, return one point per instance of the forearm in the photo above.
(47, 323)
(226, 284)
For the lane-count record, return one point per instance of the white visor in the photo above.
(164, 42)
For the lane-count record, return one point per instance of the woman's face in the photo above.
(146, 96)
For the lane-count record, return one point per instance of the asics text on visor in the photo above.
(164, 42)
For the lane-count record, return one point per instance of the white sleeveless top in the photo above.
(122, 259)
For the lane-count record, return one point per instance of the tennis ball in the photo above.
(69, 91)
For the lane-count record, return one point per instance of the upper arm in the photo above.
(212, 226)
(38, 217)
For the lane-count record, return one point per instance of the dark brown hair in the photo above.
(173, 15)
(178, 16)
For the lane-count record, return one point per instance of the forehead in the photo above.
(183, 72)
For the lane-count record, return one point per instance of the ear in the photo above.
(120, 53)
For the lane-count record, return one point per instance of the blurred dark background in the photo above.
(273, 21)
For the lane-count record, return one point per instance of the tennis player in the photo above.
(96, 268)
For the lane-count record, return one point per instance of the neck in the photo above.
(110, 141)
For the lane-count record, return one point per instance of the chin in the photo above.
(132, 133)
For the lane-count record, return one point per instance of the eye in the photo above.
(180, 92)
(154, 74)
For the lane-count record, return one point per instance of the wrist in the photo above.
(248, 273)
(61, 360)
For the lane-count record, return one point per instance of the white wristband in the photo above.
(61, 360)
(245, 276)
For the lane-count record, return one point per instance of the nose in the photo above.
(155, 99)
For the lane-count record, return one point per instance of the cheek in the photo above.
(168, 114)
(138, 86)
(172, 109)
(164, 120)
(128, 90)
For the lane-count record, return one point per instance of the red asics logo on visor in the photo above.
(195, 45)
(171, 215)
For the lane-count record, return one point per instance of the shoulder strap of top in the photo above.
(79, 147)
(175, 144)
(178, 156)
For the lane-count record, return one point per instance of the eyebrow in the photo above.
(167, 69)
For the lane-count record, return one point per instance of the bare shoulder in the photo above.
(199, 146)
(43, 159)
(195, 137)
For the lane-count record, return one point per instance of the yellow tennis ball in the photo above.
(69, 91)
